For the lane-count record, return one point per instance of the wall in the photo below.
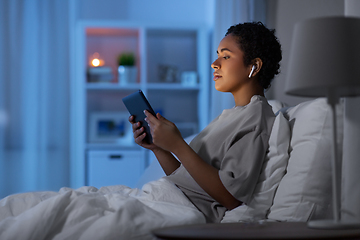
(156, 11)
(283, 15)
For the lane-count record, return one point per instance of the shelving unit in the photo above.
(182, 48)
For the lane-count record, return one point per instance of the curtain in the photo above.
(228, 13)
(34, 95)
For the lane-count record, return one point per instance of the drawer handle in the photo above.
(115, 157)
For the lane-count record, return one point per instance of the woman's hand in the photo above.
(164, 133)
(139, 134)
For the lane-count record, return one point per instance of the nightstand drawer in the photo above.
(105, 168)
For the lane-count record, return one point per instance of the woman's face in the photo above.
(230, 71)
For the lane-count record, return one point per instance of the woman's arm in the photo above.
(167, 161)
(205, 175)
(167, 136)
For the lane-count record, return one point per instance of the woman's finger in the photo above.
(161, 118)
(136, 126)
(139, 138)
(138, 132)
(131, 119)
(149, 117)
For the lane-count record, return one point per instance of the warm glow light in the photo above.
(96, 61)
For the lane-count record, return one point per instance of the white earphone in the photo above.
(252, 71)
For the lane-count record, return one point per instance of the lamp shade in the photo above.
(325, 58)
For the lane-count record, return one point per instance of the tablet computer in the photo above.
(136, 103)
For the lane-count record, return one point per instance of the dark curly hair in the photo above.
(257, 41)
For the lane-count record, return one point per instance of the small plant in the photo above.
(126, 59)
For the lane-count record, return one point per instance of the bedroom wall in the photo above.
(283, 15)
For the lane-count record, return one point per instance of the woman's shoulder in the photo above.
(254, 112)
(258, 113)
(256, 104)
(257, 99)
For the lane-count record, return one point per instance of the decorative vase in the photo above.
(127, 74)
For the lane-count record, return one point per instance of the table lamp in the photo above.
(325, 62)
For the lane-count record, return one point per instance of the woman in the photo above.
(219, 169)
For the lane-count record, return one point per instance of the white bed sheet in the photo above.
(113, 212)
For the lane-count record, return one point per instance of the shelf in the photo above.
(111, 86)
(149, 86)
(170, 86)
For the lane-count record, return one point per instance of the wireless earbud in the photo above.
(252, 71)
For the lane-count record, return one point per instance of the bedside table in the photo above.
(265, 230)
(114, 167)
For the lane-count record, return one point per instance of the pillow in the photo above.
(305, 190)
(276, 105)
(272, 172)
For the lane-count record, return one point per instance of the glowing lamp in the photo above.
(96, 61)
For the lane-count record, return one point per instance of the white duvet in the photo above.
(114, 212)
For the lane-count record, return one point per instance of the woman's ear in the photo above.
(255, 67)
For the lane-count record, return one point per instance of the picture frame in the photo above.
(110, 127)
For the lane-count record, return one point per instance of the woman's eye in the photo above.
(226, 57)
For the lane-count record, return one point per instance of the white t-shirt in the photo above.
(235, 143)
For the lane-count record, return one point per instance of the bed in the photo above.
(294, 185)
